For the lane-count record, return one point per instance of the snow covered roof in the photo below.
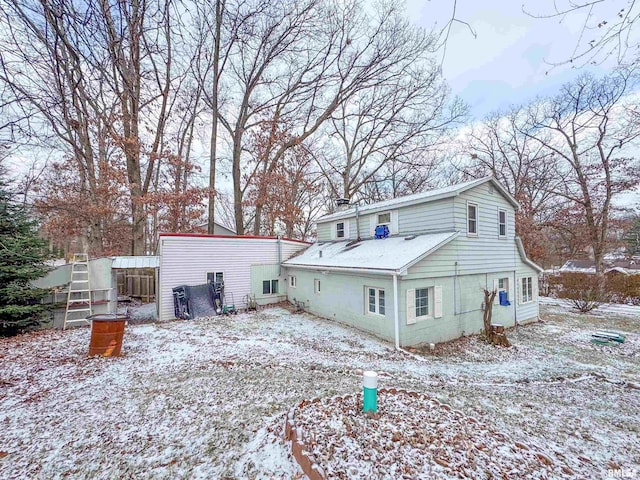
(579, 266)
(628, 264)
(139, 261)
(393, 254)
(422, 197)
(625, 266)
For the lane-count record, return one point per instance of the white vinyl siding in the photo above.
(185, 260)
(436, 215)
(375, 300)
(472, 219)
(502, 223)
(469, 255)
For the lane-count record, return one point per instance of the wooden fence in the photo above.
(137, 283)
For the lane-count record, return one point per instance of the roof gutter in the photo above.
(525, 259)
(369, 271)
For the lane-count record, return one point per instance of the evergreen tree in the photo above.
(22, 257)
(632, 238)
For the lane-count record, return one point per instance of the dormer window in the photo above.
(472, 219)
(340, 230)
(384, 218)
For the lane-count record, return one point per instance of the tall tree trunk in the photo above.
(237, 185)
(214, 124)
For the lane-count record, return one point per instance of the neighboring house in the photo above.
(424, 282)
(578, 266)
(611, 266)
(248, 266)
(217, 229)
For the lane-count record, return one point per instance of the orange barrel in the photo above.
(107, 330)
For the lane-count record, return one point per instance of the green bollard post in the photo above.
(370, 384)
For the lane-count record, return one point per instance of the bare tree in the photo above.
(296, 64)
(523, 166)
(390, 129)
(101, 75)
(608, 29)
(587, 127)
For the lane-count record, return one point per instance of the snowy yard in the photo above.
(207, 398)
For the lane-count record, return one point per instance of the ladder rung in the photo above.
(76, 320)
(83, 290)
(78, 300)
(79, 281)
(78, 310)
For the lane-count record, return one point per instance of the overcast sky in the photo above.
(509, 60)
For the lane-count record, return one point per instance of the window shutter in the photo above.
(394, 222)
(411, 306)
(534, 288)
(347, 224)
(437, 302)
(495, 287)
(372, 224)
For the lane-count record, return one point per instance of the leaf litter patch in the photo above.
(413, 436)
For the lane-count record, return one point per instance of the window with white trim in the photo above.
(375, 301)
(217, 277)
(384, 218)
(527, 289)
(422, 302)
(502, 223)
(340, 230)
(293, 282)
(472, 219)
(316, 286)
(270, 287)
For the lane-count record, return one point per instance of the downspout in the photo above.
(396, 310)
(357, 223)
(515, 298)
(396, 317)
(278, 247)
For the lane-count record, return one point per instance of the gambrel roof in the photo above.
(422, 197)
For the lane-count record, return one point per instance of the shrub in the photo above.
(584, 291)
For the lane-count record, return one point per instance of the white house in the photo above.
(248, 266)
(424, 281)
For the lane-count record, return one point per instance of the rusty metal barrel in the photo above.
(107, 330)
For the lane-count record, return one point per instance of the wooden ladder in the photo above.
(79, 295)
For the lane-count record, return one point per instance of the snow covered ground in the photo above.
(207, 398)
(604, 309)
